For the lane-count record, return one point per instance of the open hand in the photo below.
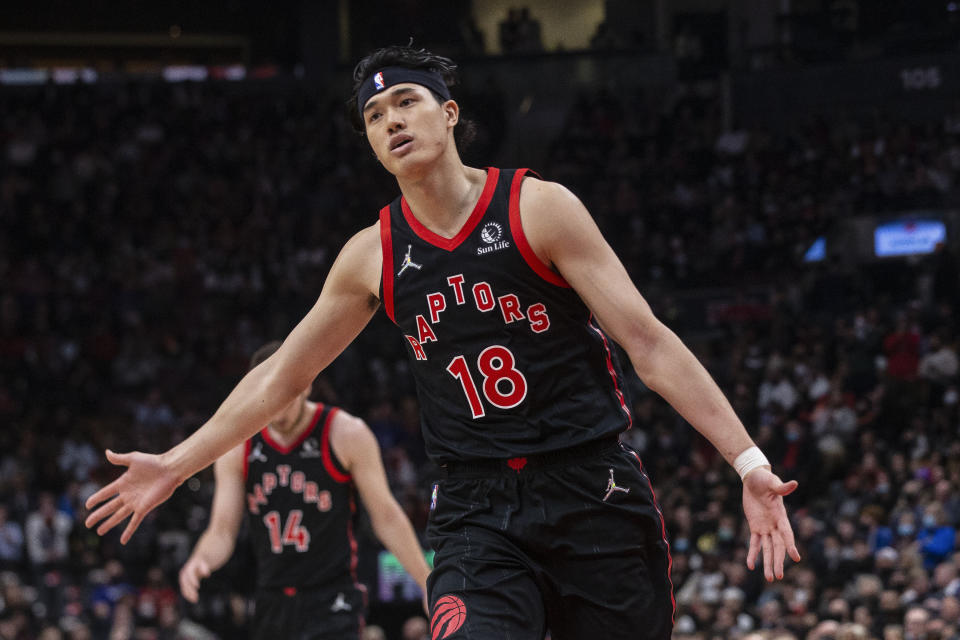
(144, 485)
(770, 529)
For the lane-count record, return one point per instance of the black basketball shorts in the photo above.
(571, 541)
(335, 613)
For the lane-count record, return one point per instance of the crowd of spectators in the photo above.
(152, 236)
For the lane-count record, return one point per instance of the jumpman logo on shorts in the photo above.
(407, 262)
(613, 488)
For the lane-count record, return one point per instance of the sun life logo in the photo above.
(492, 233)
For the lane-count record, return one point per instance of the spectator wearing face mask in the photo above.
(936, 537)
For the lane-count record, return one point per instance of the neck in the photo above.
(443, 197)
(297, 427)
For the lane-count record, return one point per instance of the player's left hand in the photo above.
(770, 529)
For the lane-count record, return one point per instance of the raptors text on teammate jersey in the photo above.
(294, 481)
(484, 299)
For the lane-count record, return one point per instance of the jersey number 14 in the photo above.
(293, 533)
(503, 385)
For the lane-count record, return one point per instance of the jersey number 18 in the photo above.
(503, 385)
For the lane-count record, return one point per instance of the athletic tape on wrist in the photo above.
(749, 460)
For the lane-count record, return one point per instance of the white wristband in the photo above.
(750, 460)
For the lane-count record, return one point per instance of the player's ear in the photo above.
(451, 111)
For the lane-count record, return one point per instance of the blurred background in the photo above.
(779, 177)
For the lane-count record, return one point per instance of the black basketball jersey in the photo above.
(507, 358)
(300, 508)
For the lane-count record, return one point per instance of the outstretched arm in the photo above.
(565, 237)
(357, 448)
(345, 306)
(216, 544)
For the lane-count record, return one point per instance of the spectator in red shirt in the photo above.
(902, 349)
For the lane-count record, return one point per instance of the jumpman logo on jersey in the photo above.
(257, 454)
(613, 488)
(341, 604)
(407, 262)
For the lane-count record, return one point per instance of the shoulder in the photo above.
(547, 207)
(551, 216)
(350, 438)
(537, 194)
(364, 245)
(361, 260)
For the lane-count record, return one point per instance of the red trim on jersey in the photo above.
(386, 244)
(663, 533)
(450, 244)
(362, 589)
(516, 230)
(352, 540)
(246, 458)
(613, 372)
(335, 473)
(265, 433)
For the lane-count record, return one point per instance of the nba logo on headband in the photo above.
(432, 80)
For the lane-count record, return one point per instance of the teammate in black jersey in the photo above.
(296, 481)
(544, 519)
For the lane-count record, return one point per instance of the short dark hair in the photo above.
(408, 58)
(264, 352)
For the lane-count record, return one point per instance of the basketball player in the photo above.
(296, 479)
(507, 298)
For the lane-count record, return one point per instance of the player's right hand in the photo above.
(145, 484)
(191, 574)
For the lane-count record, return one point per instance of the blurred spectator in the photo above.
(937, 537)
(77, 459)
(11, 541)
(153, 597)
(415, 628)
(834, 416)
(777, 390)
(373, 632)
(47, 534)
(915, 623)
(519, 32)
(604, 38)
(938, 367)
(902, 350)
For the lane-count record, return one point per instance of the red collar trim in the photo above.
(265, 433)
(450, 244)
